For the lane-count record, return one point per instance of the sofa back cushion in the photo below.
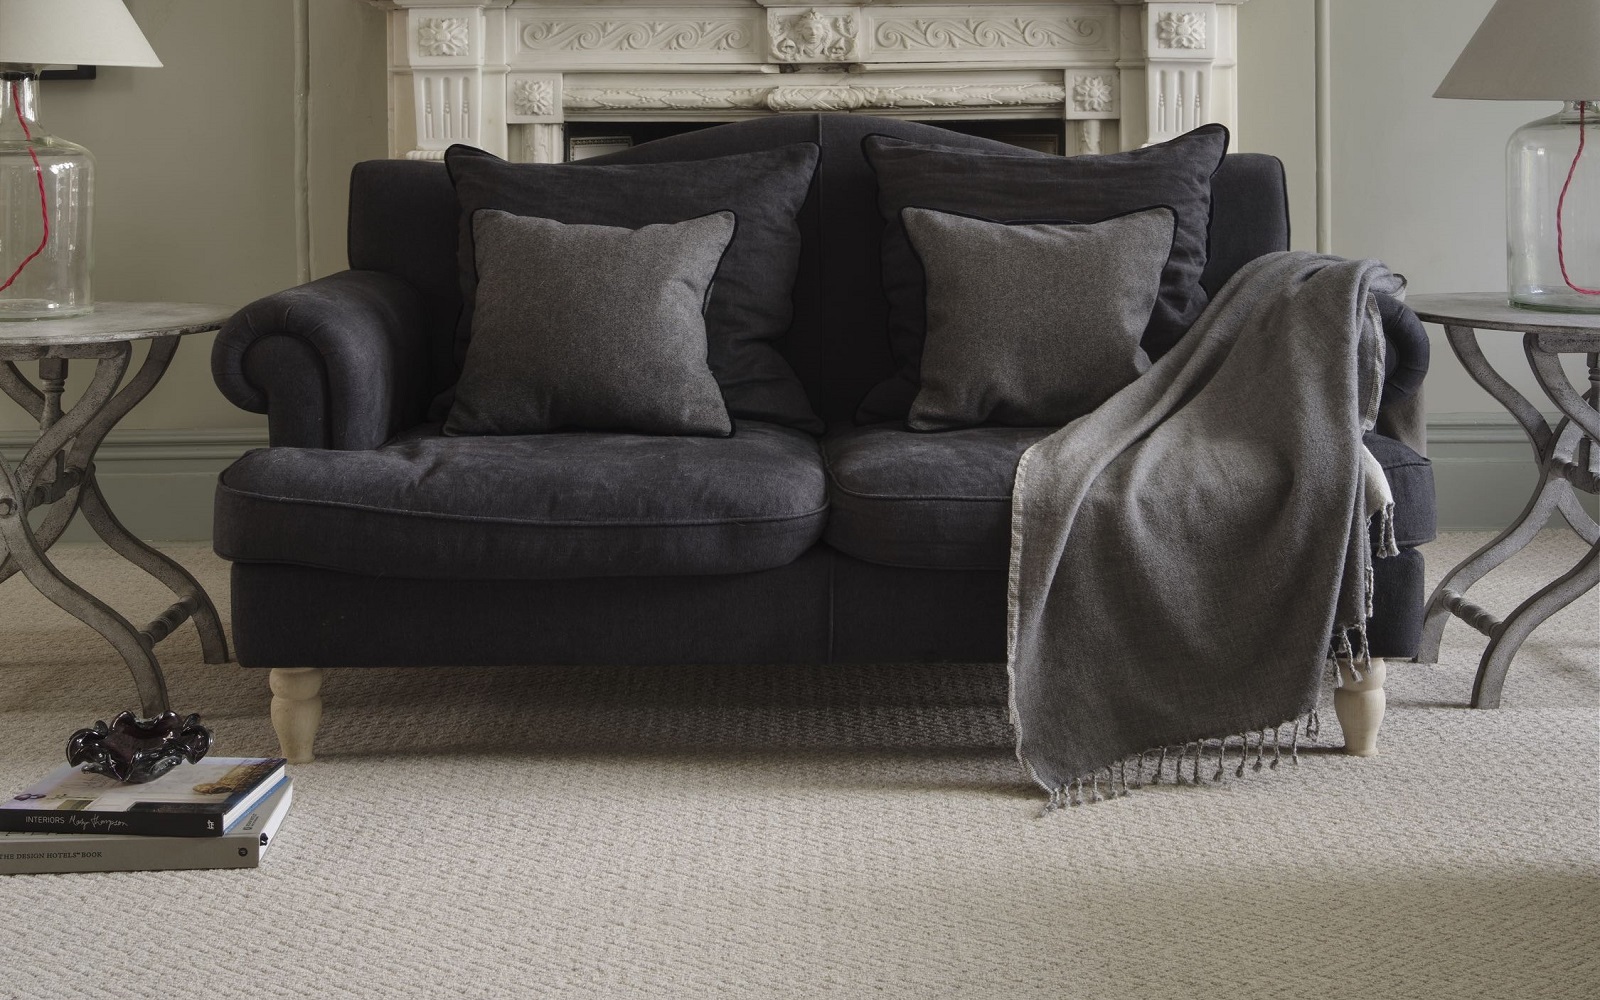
(1018, 186)
(748, 311)
(591, 327)
(403, 220)
(1032, 324)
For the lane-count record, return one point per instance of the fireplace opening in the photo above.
(586, 139)
(1044, 135)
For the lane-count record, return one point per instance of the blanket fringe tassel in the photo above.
(1181, 763)
(1350, 650)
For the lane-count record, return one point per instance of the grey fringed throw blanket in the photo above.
(1185, 557)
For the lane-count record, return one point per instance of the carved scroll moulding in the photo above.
(444, 35)
(1181, 30)
(814, 34)
(627, 39)
(985, 37)
(533, 99)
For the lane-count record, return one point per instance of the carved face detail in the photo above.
(812, 29)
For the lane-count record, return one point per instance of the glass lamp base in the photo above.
(46, 203)
(15, 309)
(1562, 300)
(1553, 211)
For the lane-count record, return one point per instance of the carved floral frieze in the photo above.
(665, 98)
(814, 98)
(813, 37)
(443, 36)
(724, 35)
(921, 34)
(932, 96)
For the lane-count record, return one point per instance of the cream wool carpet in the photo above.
(801, 832)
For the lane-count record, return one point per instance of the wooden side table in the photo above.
(58, 471)
(1568, 457)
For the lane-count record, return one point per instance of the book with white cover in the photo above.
(192, 800)
(242, 846)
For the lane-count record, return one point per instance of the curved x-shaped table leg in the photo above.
(67, 443)
(1530, 614)
(192, 597)
(1556, 452)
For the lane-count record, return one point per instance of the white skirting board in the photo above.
(160, 482)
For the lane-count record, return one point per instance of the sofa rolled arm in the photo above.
(339, 363)
(1401, 414)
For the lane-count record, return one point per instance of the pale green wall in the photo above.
(348, 115)
(196, 165)
(1415, 181)
(1277, 96)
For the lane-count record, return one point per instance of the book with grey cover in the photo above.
(242, 846)
(192, 800)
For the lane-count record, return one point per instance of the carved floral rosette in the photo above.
(1181, 30)
(533, 98)
(444, 37)
(1093, 94)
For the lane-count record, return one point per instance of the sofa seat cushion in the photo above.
(933, 501)
(545, 506)
(943, 500)
(1411, 481)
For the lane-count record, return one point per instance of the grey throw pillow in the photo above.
(1025, 186)
(592, 327)
(752, 304)
(1032, 324)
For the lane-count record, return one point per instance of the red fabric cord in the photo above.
(1561, 249)
(38, 172)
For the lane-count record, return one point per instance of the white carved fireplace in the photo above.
(507, 74)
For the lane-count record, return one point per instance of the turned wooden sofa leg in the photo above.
(296, 710)
(1359, 704)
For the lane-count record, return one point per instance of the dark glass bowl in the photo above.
(134, 750)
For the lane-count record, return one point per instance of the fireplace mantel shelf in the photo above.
(507, 74)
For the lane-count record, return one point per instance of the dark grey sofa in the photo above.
(363, 537)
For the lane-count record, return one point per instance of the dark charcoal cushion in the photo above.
(1032, 324)
(924, 500)
(544, 506)
(1395, 628)
(592, 327)
(943, 501)
(751, 301)
(1028, 187)
(1411, 481)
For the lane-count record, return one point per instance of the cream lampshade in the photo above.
(47, 183)
(71, 32)
(1536, 50)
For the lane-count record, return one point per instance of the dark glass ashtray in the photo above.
(134, 750)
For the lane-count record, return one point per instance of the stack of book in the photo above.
(221, 812)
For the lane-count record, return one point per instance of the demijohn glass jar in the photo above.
(46, 201)
(1553, 211)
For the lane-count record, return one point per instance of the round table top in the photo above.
(112, 322)
(1493, 311)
